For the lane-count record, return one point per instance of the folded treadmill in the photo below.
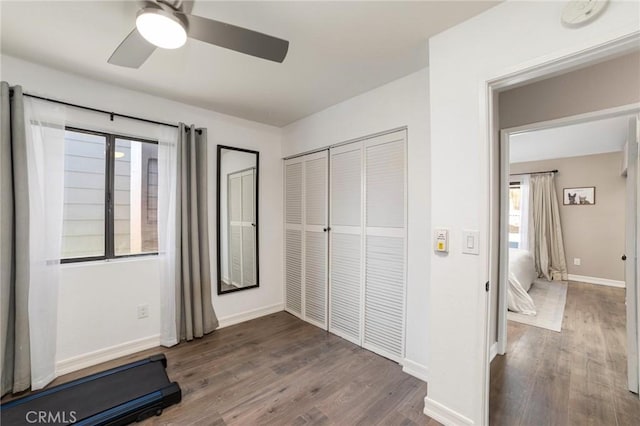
(126, 394)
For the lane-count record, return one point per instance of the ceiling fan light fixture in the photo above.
(161, 28)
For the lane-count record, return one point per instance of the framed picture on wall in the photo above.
(585, 196)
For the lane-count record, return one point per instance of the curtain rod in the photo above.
(110, 113)
(534, 173)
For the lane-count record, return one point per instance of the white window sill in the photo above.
(141, 258)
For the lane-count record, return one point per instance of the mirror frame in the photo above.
(218, 224)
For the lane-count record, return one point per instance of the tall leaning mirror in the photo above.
(237, 188)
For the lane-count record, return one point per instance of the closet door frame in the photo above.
(346, 229)
(362, 143)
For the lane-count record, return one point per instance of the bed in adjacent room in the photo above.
(522, 273)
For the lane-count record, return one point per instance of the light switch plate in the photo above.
(470, 242)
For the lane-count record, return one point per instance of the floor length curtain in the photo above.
(197, 316)
(168, 224)
(525, 212)
(32, 209)
(15, 360)
(548, 246)
(45, 161)
(186, 273)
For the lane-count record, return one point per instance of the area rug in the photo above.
(549, 298)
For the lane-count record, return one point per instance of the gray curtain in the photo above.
(548, 246)
(15, 359)
(195, 315)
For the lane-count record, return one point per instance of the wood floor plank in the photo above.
(279, 370)
(575, 377)
(312, 417)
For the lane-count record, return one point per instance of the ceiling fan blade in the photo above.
(132, 52)
(186, 6)
(237, 38)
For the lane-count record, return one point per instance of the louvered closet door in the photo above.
(385, 205)
(242, 227)
(293, 175)
(248, 228)
(316, 238)
(346, 242)
(234, 195)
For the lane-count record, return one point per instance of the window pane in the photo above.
(514, 216)
(84, 195)
(135, 197)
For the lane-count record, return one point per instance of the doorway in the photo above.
(574, 330)
(503, 185)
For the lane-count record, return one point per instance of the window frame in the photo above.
(109, 187)
(514, 184)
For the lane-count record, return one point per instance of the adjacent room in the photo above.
(261, 212)
(568, 203)
(574, 302)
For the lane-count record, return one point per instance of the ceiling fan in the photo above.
(168, 23)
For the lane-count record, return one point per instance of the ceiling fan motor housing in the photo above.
(169, 12)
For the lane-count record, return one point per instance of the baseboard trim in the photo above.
(249, 315)
(597, 281)
(107, 354)
(444, 414)
(415, 369)
(493, 351)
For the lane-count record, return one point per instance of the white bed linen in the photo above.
(522, 273)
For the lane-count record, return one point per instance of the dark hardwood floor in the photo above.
(576, 377)
(280, 370)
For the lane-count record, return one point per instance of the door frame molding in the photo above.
(490, 86)
(505, 135)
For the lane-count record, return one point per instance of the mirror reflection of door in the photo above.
(238, 263)
(241, 195)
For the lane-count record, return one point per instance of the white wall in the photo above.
(507, 38)
(98, 300)
(403, 102)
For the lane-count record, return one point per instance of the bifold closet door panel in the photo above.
(346, 256)
(248, 228)
(384, 296)
(293, 175)
(345, 241)
(234, 194)
(385, 177)
(385, 244)
(316, 238)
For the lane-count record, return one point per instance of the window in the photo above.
(110, 196)
(515, 214)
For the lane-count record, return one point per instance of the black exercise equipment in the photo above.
(122, 395)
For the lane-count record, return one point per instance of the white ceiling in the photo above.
(337, 50)
(594, 137)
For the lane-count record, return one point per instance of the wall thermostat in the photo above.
(441, 240)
